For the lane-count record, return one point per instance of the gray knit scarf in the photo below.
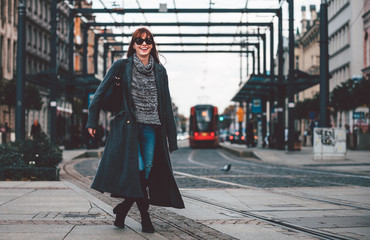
(144, 92)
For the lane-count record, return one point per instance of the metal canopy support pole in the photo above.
(96, 41)
(291, 130)
(272, 65)
(54, 71)
(105, 54)
(254, 63)
(21, 69)
(264, 54)
(264, 120)
(281, 89)
(85, 28)
(258, 59)
(247, 120)
(324, 65)
(71, 44)
(272, 76)
(71, 90)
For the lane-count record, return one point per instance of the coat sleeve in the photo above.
(171, 128)
(95, 105)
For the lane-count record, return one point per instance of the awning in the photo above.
(259, 86)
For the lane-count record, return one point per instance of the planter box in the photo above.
(297, 146)
(29, 173)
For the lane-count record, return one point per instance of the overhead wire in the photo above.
(146, 20)
(209, 21)
(240, 21)
(112, 16)
(178, 22)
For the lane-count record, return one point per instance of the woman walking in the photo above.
(136, 164)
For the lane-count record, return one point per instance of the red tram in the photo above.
(203, 130)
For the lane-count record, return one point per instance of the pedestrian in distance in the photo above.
(35, 129)
(250, 134)
(4, 132)
(136, 164)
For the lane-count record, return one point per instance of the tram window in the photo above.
(204, 120)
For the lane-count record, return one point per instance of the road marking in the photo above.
(213, 180)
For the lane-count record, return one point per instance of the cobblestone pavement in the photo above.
(248, 172)
(169, 224)
(304, 195)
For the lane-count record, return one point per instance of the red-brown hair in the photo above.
(137, 34)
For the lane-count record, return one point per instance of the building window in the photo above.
(1, 54)
(10, 11)
(29, 35)
(14, 56)
(41, 9)
(297, 62)
(40, 40)
(9, 50)
(367, 50)
(35, 38)
(45, 43)
(36, 7)
(2, 8)
(15, 12)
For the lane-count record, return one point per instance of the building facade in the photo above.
(8, 48)
(308, 60)
(345, 27)
(366, 39)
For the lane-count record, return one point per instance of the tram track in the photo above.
(182, 228)
(189, 232)
(276, 222)
(304, 196)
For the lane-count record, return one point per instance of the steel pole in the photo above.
(71, 87)
(258, 59)
(105, 55)
(291, 130)
(96, 41)
(264, 54)
(54, 71)
(21, 62)
(272, 70)
(324, 65)
(281, 88)
(85, 28)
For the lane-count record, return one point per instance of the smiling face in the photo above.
(143, 50)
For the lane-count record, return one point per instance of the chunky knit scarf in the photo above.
(144, 92)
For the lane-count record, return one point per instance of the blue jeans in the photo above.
(146, 134)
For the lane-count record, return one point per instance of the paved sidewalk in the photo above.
(58, 210)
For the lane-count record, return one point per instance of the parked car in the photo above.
(238, 138)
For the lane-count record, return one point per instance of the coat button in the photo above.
(128, 122)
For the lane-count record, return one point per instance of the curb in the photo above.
(89, 154)
(241, 153)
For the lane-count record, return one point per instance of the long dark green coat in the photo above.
(118, 171)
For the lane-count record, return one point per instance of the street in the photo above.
(255, 193)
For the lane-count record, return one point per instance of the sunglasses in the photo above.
(140, 41)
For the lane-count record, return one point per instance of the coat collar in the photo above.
(158, 73)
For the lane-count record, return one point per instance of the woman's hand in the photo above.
(91, 132)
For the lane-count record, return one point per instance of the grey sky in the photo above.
(209, 78)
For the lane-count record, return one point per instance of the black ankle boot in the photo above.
(146, 223)
(143, 205)
(121, 211)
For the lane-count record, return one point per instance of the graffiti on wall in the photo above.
(327, 136)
